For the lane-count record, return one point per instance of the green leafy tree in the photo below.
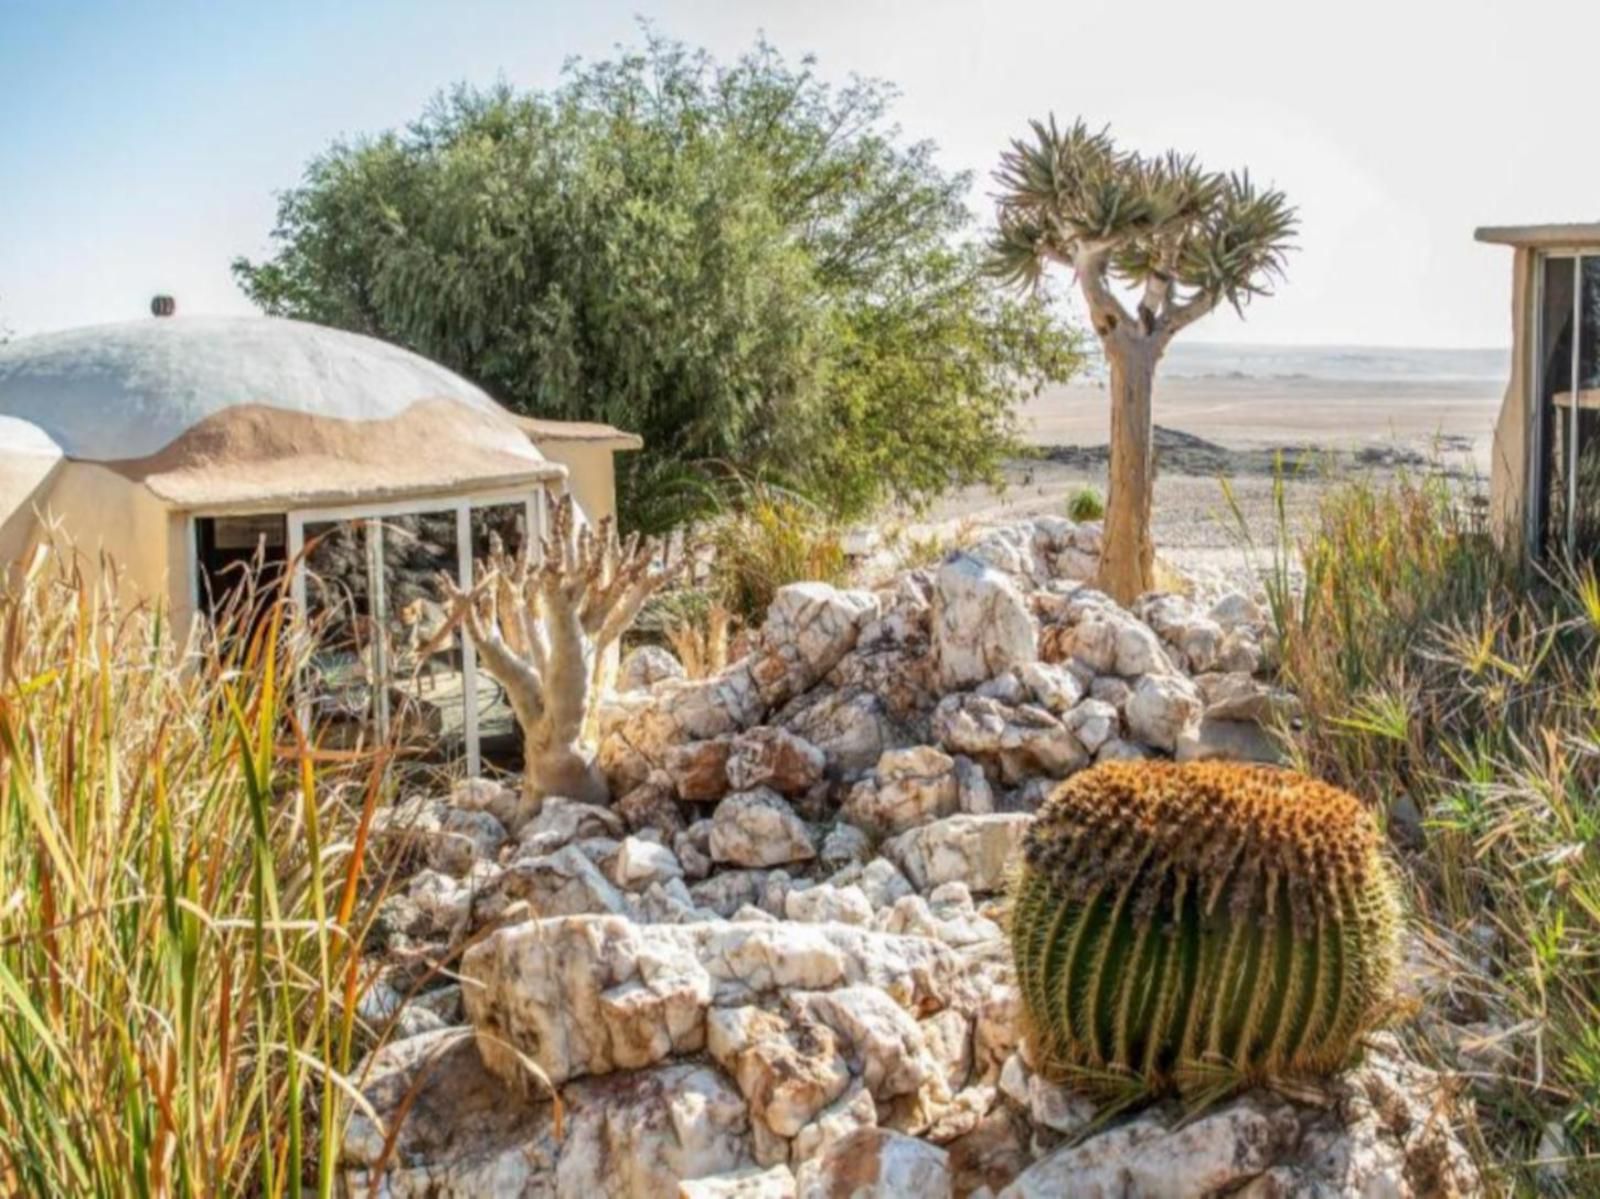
(749, 267)
(1183, 239)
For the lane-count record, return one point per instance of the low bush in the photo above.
(769, 537)
(1086, 504)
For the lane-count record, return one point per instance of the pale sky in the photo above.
(141, 143)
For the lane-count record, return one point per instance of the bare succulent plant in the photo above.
(541, 625)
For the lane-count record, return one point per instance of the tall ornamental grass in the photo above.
(180, 903)
(1459, 690)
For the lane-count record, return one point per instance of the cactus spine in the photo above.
(1201, 928)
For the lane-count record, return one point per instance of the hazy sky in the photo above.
(141, 143)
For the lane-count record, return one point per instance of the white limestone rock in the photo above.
(852, 727)
(909, 787)
(981, 623)
(775, 758)
(825, 904)
(1054, 688)
(759, 828)
(851, 1111)
(1161, 708)
(809, 628)
(1093, 722)
(639, 1135)
(786, 1074)
(564, 883)
(1024, 741)
(877, 1163)
(560, 822)
(1219, 1151)
(754, 1182)
(1139, 650)
(645, 666)
(639, 863)
(975, 850)
(593, 994)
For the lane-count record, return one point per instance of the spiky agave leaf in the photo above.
(1201, 928)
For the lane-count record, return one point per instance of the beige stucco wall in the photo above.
(25, 483)
(1508, 468)
(101, 510)
(591, 475)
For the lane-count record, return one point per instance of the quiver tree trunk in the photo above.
(1127, 555)
(541, 625)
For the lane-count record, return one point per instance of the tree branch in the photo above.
(1090, 264)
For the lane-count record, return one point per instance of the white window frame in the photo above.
(534, 499)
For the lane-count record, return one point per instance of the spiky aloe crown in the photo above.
(1201, 928)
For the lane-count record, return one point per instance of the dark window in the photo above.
(1555, 400)
(235, 551)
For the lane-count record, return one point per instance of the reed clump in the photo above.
(181, 900)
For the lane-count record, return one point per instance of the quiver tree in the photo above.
(1178, 238)
(541, 627)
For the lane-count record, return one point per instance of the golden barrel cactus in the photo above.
(1201, 928)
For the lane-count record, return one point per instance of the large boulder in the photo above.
(594, 994)
(981, 623)
(809, 627)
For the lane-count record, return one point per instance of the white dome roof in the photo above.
(121, 391)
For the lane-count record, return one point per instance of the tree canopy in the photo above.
(1187, 238)
(749, 267)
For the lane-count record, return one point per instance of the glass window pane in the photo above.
(1555, 398)
(343, 674)
(1586, 512)
(427, 684)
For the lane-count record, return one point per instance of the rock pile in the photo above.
(775, 965)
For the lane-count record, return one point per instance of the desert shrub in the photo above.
(1086, 504)
(1460, 692)
(768, 538)
(182, 905)
(1201, 928)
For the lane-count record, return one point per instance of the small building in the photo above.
(1545, 474)
(186, 448)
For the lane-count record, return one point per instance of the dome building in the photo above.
(185, 448)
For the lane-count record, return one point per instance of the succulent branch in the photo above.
(1201, 928)
(1190, 238)
(542, 623)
